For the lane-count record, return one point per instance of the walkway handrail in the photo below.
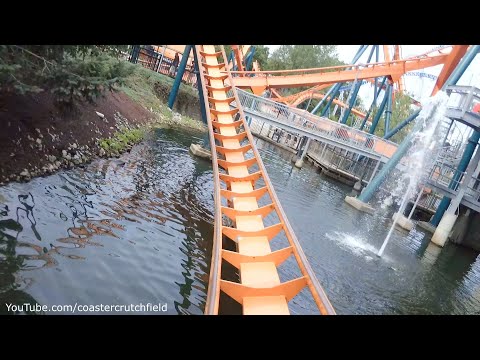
(320, 126)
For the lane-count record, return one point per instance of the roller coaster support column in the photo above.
(249, 58)
(388, 112)
(361, 202)
(331, 92)
(355, 90)
(373, 104)
(134, 54)
(178, 78)
(472, 142)
(375, 93)
(334, 90)
(309, 101)
(377, 117)
(199, 86)
(299, 162)
(402, 125)
(467, 155)
(352, 102)
(300, 145)
(206, 137)
(440, 236)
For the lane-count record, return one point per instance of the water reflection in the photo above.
(11, 262)
(413, 277)
(142, 226)
(140, 229)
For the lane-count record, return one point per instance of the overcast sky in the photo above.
(419, 87)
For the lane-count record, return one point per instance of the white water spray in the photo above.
(421, 156)
(400, 211)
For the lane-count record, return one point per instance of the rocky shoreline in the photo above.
(75, 154)
(105, 129)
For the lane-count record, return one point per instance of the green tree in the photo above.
(359, 105)
(228, 49)
(288, 57)
(69, 71)
(261, 55)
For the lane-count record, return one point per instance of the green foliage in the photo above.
(228, 49)
(359, 105)
(105, 145)
(166, 112)
(69, 71)
(121, 140)
(261, 55)
(142, 86)
(134, 135)
(288, 57)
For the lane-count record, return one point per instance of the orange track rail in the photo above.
(430, 58)
(309, 77)
(450, 64)
(321, 96)
(259, 290)
(290, 99)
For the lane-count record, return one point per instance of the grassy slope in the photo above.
(140, 87)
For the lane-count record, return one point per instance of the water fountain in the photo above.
(427, 142)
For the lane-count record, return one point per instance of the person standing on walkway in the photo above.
(173, 68)
(192, 72)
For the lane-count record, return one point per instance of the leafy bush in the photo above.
(70, 72)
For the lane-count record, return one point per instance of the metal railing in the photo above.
(462, 98)
(464, 105)
(445, 175)
(151, 59)
(286, 138)
(317, 126)
(473, 189)
(430, 201)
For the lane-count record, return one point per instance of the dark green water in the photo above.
(141, 232)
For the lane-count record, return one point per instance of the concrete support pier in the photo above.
(444, 228)
(197, 150)
(299, 162)
(403, 222)
(442, 232)
(359, 205)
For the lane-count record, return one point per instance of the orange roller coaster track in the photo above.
(328, 75)
(310, 77)
(236, 196)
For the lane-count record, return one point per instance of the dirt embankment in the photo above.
(38, 138)
(185, 104)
